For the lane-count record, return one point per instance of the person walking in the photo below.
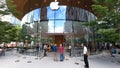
(85, 52)
(69, 50)
(55, 52)
(45, 49)
(37, 49)
(61, 51)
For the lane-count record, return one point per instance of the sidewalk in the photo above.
(15, 60)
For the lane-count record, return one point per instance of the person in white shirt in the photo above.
(69, 50)
(45, 49)
(85, 52)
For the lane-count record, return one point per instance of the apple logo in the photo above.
(54, 5)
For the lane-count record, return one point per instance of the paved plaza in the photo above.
(12, 59)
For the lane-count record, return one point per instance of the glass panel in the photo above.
(59, 14)
(51, 26)
(59, 26)
(79, 14)
(36, 13)
(56, 19)
(67, 20)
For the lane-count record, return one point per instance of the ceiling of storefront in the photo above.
(25, 6)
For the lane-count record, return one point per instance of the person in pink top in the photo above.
(61, 51)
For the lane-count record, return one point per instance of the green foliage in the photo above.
(12, 7)
(100, 11)
(111, 4)
(104, 7)
(108, 13)
(5, 11)
(9, 32)
(23, 32)
(113, 18)
(98, 1)
(109, 35)
(92, 23)
(2, 5)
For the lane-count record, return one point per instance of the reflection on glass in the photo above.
(56, 19)
(64, 20)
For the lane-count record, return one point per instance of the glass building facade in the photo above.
(65, 21)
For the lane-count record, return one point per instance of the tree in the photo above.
(8, 31)
(108, 20)
(108, 13)
(109, 35)
(108, 10)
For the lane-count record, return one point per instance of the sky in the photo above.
(9, 18)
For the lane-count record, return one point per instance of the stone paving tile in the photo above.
(16, 60)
